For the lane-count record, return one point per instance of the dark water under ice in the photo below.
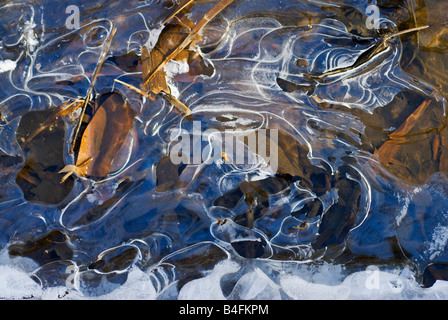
(338, 196)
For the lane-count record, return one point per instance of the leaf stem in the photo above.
(177, 11)
(399, 33)
(130, 86)
(92, 83)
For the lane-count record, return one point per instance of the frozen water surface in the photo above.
(331, 220)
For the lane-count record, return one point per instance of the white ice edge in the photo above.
(317, 282)
(7, 65)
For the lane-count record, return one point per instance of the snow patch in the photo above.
(7, 65)
(208, 288)
(172, 69)
(260, 281)
(404, 209)
(438, 243)
(29, 36)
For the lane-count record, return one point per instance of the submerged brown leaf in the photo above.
(105, 134)
(292, 159)
(409, 126)
(92, 83)
(43, 158)
(429, 61)
(433, 12)
(416, 149)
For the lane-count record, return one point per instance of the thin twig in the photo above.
(64, 109)
(130, 86)
(197, 28)
(177, 11)
(92, 83)
(171, 99)
(177, 103)
(372, 52)
(399, 33)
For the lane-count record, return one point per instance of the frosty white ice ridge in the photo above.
(260, 280)
(7, 65)
(231, 146)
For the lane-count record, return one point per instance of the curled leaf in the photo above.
(78, 170)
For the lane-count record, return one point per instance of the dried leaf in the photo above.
(71, 169)
(80, 170)
(175, 43)
(92, 83)
(169, 40)
(149, 61)
(186, 42)
(411, 122)
(415, 150)
(105, 134)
